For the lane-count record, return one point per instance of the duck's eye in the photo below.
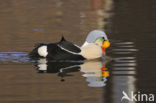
(99, 41)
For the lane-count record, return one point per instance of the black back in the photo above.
(56, 53)
(69, 46)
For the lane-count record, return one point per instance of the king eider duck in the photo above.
(93, 48)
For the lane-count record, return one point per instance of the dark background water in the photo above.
(130, 25)
(134, 21)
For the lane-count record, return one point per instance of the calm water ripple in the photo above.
(130, 65)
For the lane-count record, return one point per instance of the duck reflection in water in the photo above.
(95, 71)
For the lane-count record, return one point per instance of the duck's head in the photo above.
(97, 37)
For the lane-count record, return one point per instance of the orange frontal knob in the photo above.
(106, 44)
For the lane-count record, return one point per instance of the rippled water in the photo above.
(95, 71)
(124, 67)
(129, 65)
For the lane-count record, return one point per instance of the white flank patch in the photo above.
(42, 51)
(91, 51)
(68, 50)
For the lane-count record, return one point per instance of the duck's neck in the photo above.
(85, 44)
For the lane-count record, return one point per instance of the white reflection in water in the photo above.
(42, 64)
(124, 59)
(122, 52)
(124, 68)
(120, 84)
(125, 43)
(128, 50)
(125, 64)
(126, 46)
(124, 71)
(95, 72)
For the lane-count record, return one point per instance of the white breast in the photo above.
(91, 51)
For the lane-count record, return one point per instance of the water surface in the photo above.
(130, 28)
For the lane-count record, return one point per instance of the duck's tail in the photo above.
(34, 53)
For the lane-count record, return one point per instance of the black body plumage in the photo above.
(63, 50)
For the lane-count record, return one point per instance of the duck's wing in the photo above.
(64, 50)
(68, 46)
